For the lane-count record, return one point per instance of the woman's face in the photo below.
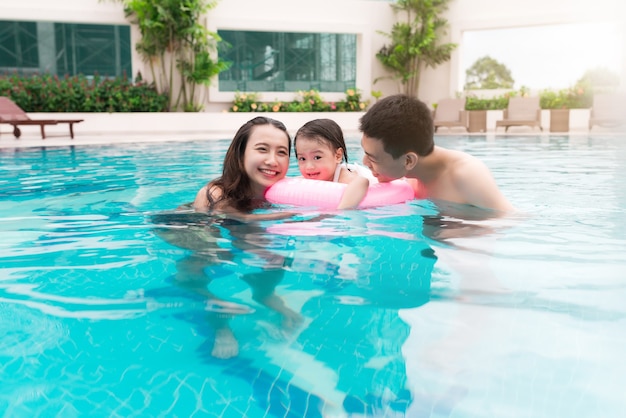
(316, 159)
(266, 158)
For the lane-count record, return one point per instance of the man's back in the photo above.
(458, 177)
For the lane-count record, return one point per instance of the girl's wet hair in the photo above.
(234, 181)
(326, 131)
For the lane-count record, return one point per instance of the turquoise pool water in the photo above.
(405, 311)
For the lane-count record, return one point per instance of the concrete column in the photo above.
(46, 47)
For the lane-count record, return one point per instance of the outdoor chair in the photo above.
(12, 114)
(450, 113)
(608, 110)
(521, 111)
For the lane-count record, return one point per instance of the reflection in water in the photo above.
(367, 275)
(215, 243)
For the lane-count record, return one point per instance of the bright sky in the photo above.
(543, 57)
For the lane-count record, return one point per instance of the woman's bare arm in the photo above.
(201, 202)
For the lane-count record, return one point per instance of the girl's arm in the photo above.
(354, 193)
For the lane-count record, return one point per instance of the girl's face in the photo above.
(266, 158)
(317, 160)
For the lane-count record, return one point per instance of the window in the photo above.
(90, 49)
(18, 46)
(287, 62)
(60, 48)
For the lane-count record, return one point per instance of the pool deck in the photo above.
(120, 128)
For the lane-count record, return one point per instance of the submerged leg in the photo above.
(263, 287)
(225, 345)
(190, 274)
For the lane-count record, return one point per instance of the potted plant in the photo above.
(476, 114)
(477, 111)
(555, 102)
(560, 102)
(415, 42)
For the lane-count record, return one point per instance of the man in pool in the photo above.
(398, 142)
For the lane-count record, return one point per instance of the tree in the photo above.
(599, 79)
(487, 73)
(414, 42)
(175, 42)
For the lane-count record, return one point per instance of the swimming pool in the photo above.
(402, 312)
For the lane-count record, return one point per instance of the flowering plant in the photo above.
(352, 103)
(245, 102)
(305, 101)
(311, 101)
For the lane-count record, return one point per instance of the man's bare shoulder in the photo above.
(466, 165)
(458, 167)
(474, 181)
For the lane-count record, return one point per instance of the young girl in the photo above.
(320, 151)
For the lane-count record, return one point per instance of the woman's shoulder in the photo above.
(202, 202)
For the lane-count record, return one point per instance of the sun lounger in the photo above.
(450, 113)
(13, 115)
(608, 110)
(521, 111)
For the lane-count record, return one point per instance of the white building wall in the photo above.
(67, 11)
(365, 18)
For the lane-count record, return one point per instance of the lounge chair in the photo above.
(12, 114)
(521, 111)
(450, 113)
(608, 110)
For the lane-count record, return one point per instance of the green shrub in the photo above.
(311, 101)
(493, 103)
(352, 103)
(571, 98)
(475, 103)
(47, 93)
(305, 101)
(549, 99)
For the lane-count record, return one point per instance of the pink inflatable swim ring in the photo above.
(326, 194)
